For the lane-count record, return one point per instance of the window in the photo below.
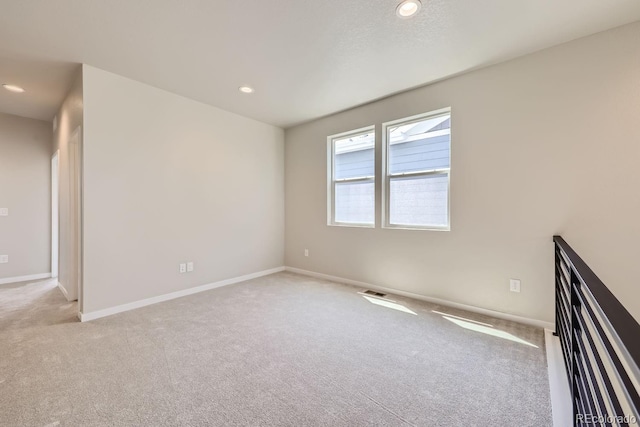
(417, 166)
(351, 191)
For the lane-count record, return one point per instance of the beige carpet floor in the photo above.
(279, 350)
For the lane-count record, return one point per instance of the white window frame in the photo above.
(331, 181)
(386, 183)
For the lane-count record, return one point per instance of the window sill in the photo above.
(416, 228)
(352, 225)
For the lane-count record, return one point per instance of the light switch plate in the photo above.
(4, 211)
(190, 267)
(183, 267)
(4, 259)
(514, 285)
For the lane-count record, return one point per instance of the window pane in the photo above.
(355, 202)
(354, 156)
(421, 201)
(420, 146)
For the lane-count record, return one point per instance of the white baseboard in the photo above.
(561, 407)
(64, 291)
(506, 316)
(25, 278)
(84, 317)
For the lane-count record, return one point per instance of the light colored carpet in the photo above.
(279, 350)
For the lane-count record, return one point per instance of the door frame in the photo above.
(75, 206)
(55, 213)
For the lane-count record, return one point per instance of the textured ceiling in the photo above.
(305, 58)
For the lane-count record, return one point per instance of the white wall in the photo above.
(605, 226)
(169, 180)
(544, 144)
(68, 118)
(25, 188)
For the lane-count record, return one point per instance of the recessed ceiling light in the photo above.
(408, 8)
(13, 88)
(246, 89)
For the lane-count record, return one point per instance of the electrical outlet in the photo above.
(4, 259)
(514, 285)
(4, 211)
(183, 267)
(189, 266)
(306, 252)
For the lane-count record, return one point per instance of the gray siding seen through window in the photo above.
(355, 164)
(419, 155)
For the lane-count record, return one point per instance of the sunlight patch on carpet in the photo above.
(488, 331)
(389, 304)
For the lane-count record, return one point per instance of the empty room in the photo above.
(319, 213)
